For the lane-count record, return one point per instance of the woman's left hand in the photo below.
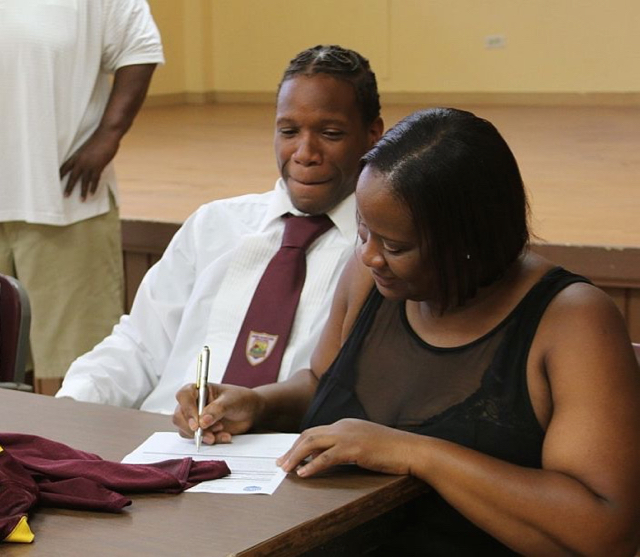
(350, 441)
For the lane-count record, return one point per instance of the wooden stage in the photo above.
(581, 166)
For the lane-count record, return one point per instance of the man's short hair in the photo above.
(343, 64)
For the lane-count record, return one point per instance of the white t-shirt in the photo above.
(55, 61)
(198, 294)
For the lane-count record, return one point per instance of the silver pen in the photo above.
(202, 376)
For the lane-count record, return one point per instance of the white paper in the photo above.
(251, 459)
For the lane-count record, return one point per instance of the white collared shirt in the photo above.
(198, 294)
(56, 58)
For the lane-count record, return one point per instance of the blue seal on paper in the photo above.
(252, 488)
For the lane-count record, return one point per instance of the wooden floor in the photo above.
(581, 164)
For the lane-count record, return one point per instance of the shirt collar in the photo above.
(343, 215)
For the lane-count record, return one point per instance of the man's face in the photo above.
(319, 139)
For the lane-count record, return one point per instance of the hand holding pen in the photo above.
(223, 410)
(202, 376)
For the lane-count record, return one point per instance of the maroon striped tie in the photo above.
(263, 337)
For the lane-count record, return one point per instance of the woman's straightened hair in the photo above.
(461, 184)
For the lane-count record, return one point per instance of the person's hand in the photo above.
(350, 441)
(231, 410)
(87, 163)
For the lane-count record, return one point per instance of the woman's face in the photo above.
(389, 243)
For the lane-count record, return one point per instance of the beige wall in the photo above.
(222, 48)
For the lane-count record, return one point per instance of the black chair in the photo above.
(15, 321)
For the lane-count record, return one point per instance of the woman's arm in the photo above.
(586, 498)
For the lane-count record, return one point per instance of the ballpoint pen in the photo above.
(202, 376)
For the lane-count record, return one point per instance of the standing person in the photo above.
(199, 293)
(454, 354)
(62, 123)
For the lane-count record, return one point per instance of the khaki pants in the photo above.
(74, 278)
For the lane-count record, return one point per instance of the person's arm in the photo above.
(85, 166)
(234, 410)
(277, 406)
(586, 498)
(126, 366)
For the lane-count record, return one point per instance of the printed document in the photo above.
(251, 459)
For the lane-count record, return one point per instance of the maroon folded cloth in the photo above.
(34, 469)
(18, 493)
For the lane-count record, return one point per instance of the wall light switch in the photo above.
(495, 41)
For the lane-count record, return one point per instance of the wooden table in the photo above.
(300, 516)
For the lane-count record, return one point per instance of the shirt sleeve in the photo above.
(127, 365)
(150, 347)
(130, 35)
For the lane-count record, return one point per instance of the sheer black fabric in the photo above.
(393, 356)
(475, 395)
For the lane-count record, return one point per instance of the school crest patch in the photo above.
(259, 347)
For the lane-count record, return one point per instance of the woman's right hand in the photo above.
(231, 410)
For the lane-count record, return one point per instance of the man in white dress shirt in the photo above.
(327, 117)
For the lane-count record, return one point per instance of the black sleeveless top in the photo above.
(475, 395)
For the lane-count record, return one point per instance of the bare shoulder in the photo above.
(358, 282)
(584, 344)
(586, 312)
(351, 292)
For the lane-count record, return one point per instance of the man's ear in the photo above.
(376, 129)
